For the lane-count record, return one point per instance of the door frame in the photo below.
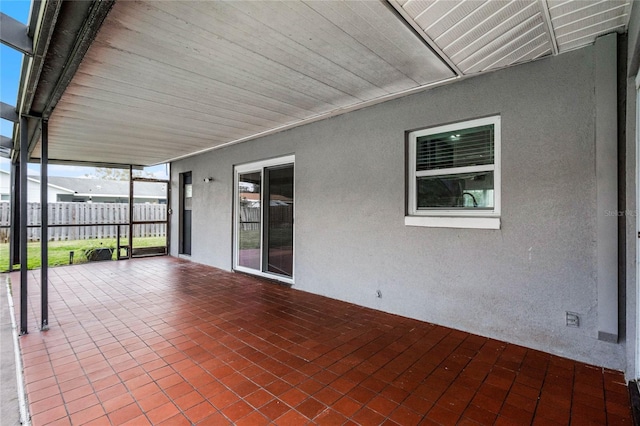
(259, 166)
(636, 373)
(150, 251)
(181, 193)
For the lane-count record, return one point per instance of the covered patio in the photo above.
(168, 341)
(386, 119)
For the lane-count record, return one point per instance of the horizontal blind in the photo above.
(459, 148)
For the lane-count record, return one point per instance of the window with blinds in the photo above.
(454, 169)
(457, 148)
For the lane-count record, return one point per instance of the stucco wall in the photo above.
(632, 140)
(514, 284)
(631, 219)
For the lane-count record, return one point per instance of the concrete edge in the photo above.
(25, 418)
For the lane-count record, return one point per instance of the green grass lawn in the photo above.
(59, 250)
(250, 239)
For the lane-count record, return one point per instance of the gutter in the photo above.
(42, 21)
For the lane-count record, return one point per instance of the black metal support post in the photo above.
(44, 225)
(130, 210)
(14, 238)
(24, 157)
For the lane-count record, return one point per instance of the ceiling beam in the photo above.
(6, 142)
(8, 112)
(35, 160)
(15, 34)
(6, 145)
(43, 18)
(87, 33)
(546, 16)
(420, 32)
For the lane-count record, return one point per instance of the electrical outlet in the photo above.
(573, 319)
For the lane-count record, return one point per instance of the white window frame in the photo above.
(259, 166)
(458, 218)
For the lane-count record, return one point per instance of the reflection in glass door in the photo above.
(250, 213)
(264, 207)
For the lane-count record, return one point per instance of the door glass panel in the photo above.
(149, 239)
(249, 185)
(187, 199)
(280, 216)
(149, 206)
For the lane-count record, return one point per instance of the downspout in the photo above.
(606, 143)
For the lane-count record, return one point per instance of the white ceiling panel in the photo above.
(489, 23)
(456, 17)
(167, 79)
(526, 34)
(483, 35)
(578, 23)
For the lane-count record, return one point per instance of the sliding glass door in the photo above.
(264, 207)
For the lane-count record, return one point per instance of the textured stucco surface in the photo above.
(631, 219)
(631, 213)
(515, 283)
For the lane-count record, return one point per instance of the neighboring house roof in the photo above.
(85, 187)
(37, 181)
(110, 188)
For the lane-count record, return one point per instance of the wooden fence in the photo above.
(250, 217)
(88, 213)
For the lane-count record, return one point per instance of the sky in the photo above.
(11, 60)
(10, 67)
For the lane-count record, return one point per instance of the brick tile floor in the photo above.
(163, 341)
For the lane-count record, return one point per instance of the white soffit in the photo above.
(578, 23)
(165, 79)
(484, 35)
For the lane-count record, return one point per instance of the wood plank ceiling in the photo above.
(167, 79)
